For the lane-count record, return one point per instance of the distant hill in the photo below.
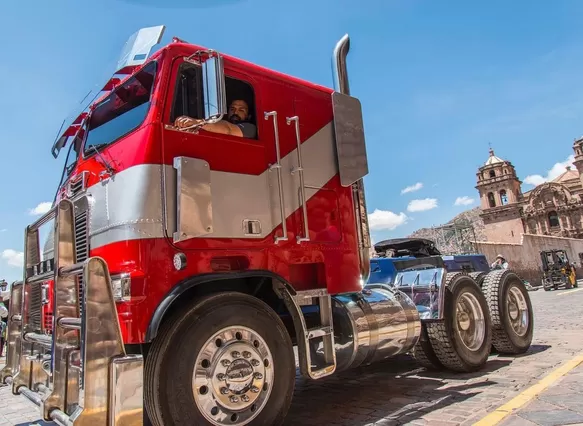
(447, 240)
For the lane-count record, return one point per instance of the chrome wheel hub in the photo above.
(233, 376)
(471, 325)
(517, 311)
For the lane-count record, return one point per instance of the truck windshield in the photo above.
(122, 111)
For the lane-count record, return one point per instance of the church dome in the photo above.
(492, 159)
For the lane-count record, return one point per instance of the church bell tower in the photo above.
(500, 194)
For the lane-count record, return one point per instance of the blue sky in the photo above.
(438, 82)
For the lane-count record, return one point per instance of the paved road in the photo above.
(397, 392)
(560, 404)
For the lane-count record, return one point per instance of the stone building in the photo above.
(553, 208)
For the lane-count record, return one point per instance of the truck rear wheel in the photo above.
(478, 277)
(463, 339)
(227, 360)
(511, 312)
(424, 353)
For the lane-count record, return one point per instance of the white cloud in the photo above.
(386, 220)
(42, 208)
(555, 171)
(422, 205)
(412, 188)
(3, 230)
(463, 201)
(13, 257)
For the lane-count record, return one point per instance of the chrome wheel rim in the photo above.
(233, 376)
(470, 322)
(517, 311)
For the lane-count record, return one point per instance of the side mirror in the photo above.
(58, 145)
(213, 77)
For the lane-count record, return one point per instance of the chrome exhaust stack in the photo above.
(351, 150)
(74, 374)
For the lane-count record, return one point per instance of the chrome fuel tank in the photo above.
(373, 325)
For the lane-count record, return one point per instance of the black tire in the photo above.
(423, 352)
(444, 335)
(497, 288)
(478, 277)
(170, 363)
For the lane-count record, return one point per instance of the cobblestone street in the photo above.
(398, 392)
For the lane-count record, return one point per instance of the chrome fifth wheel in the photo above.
(462, 340)
(225, 360)
(511, 312)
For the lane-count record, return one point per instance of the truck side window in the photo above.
(188, 97)
(240, 90)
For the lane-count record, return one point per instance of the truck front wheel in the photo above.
(227, 360)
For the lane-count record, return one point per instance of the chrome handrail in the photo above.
(277, 166)
(296, 120)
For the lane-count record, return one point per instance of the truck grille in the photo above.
(81, 244)
(35, 306)
(82, 253)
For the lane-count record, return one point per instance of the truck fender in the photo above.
(182, 287)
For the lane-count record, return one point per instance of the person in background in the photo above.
(499, 263)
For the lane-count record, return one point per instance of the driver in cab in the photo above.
(236, 124)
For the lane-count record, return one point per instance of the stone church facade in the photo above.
(554, 208)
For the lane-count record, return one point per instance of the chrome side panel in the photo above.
(373, 325)
(425, 288)
(349, 135)
(423, 280)
(127, 384)
(127, 206)
(194, 208)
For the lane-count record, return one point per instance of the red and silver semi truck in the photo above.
(184, 264)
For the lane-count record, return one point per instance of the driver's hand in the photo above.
(184, 121)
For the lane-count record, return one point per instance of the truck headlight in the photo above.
(121, 285)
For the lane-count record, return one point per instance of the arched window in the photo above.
(491, 199)
(503, 197)
(554, 219)
(492, 173)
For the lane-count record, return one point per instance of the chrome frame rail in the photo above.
(86, 342)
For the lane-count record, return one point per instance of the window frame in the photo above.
(555, 215)
(230, 73)
(491, 199)
(155, 63)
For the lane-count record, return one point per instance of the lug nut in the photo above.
(220, 377)
(258, 376)
(254, 389)
(246, 354)
(234, 399)
(235, 354)
(224, 391)
(255, 363)
(225, 362)
(245, 398)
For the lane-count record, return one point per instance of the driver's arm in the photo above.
(223, 126)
